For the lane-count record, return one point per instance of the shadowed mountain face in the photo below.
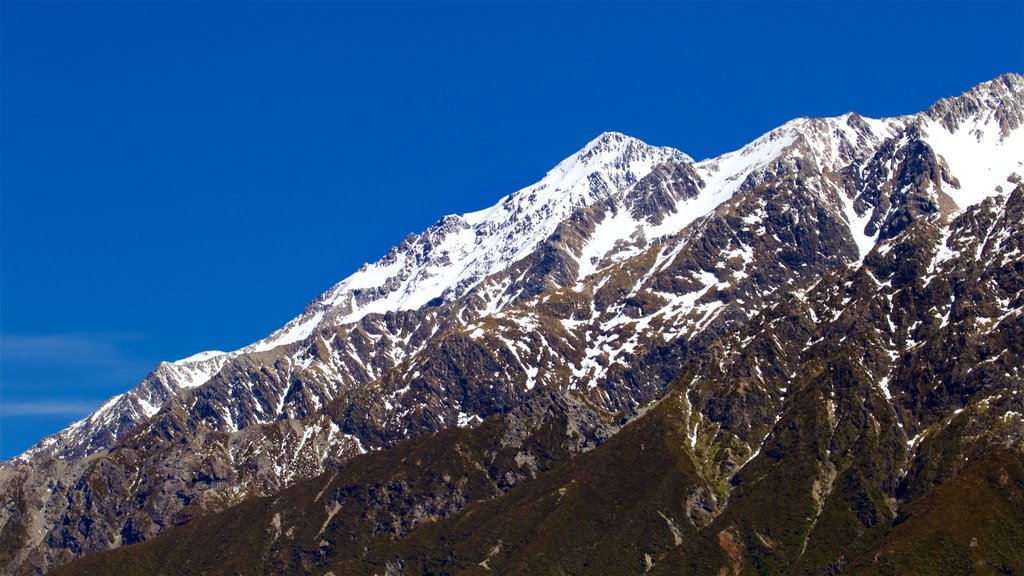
(800, 357)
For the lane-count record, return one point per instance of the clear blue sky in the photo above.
(183, 176)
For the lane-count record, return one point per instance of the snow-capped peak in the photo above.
(976, 134)
(457, 252)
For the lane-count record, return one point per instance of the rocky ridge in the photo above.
(868, 460)
(622, 270)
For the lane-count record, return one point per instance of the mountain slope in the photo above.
(850, 489)
(628, 267)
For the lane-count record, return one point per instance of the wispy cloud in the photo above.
(76, 347)
(49, 380)
(62, 363)
(71, 407)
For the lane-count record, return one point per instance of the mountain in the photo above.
(801, 356)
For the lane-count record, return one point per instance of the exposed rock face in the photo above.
(815, 300)
(995, 103)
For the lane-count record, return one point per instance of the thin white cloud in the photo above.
(71, 407)
(75, 347)
(61, 363)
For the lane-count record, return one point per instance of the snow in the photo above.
(691, 433)
(744, 253)
(884, 128)
(229, 419)
(148, 409)
(912, 442)
(724, 175)
(465, 420)
(883, 385)
(200, 357)
(460, 251)
(857, 223)
(104, 408)
(531, 377)
(307, 433)
(978, 156)
(295, 331)
(608, 232)
(187, 373)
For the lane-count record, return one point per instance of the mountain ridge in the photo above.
(642, 501)
(630, 279)
(949, 111)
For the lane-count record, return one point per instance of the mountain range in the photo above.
(799, 357)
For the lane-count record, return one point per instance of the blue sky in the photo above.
(183, 176)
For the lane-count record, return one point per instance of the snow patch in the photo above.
(978, 156)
